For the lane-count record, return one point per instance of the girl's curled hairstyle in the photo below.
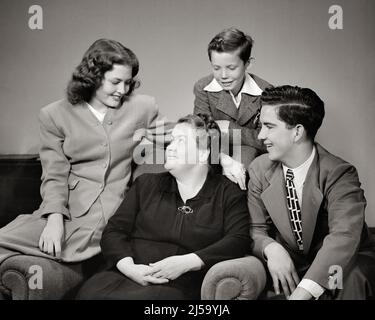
(97, 60)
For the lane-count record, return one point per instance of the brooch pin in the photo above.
(185, 209)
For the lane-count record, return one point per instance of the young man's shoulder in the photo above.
(327, 161)
(262, 163)
(332, 165)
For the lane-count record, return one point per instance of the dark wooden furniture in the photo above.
(19, 186)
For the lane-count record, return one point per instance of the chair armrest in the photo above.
(241, 279)
(2, 296)
(24, 277)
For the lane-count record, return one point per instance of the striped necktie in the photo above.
(294, 208)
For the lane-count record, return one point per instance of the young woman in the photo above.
(86, 152)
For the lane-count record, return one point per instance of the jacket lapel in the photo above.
(248, 108)
(311, 201)
(274, 198)
(226, 105)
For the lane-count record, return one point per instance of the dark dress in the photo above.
(149, 227)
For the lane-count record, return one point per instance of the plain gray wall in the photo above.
(293, 45)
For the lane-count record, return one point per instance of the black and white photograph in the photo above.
(187, 153)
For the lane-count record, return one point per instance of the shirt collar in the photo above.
(302, 170)
(99, 115)
(249, 87)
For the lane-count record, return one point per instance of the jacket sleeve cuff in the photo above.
(46, 209)
(312, 287)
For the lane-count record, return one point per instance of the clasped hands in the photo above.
(161, 271)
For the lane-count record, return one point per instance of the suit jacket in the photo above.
(333, 214)
(221, 106)
(83, 159)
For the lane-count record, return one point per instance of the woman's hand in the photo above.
(139, 273)
(173, 267)
(52, 236)
(281, 268)
(233, 170)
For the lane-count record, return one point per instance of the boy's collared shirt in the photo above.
(249, 87)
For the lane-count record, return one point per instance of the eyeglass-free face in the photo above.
(229, 70)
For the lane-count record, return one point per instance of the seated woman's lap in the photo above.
(22, 235)
(81, 238)
(112, 285)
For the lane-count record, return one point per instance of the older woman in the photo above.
(86, 152)
(232, 95)
(173, 226)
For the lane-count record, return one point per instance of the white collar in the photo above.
(99, 115)
(302, 169)
(249, 87)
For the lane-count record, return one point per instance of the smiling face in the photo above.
(182, 152)
(115, 84)
(229, 70)
(277, 137)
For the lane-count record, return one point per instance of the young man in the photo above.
(306, 205)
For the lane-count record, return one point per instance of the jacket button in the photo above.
(109, 122)
(104, 165)
(104, 144)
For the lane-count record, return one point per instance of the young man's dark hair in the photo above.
(296, 106)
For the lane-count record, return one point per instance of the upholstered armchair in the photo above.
(236, 279)
(242, 278)
(24, 277)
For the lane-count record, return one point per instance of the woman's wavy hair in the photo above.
(208, 136)
(97, 60)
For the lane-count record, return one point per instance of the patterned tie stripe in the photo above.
(294, 208)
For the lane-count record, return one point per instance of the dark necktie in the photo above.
(294, 208)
